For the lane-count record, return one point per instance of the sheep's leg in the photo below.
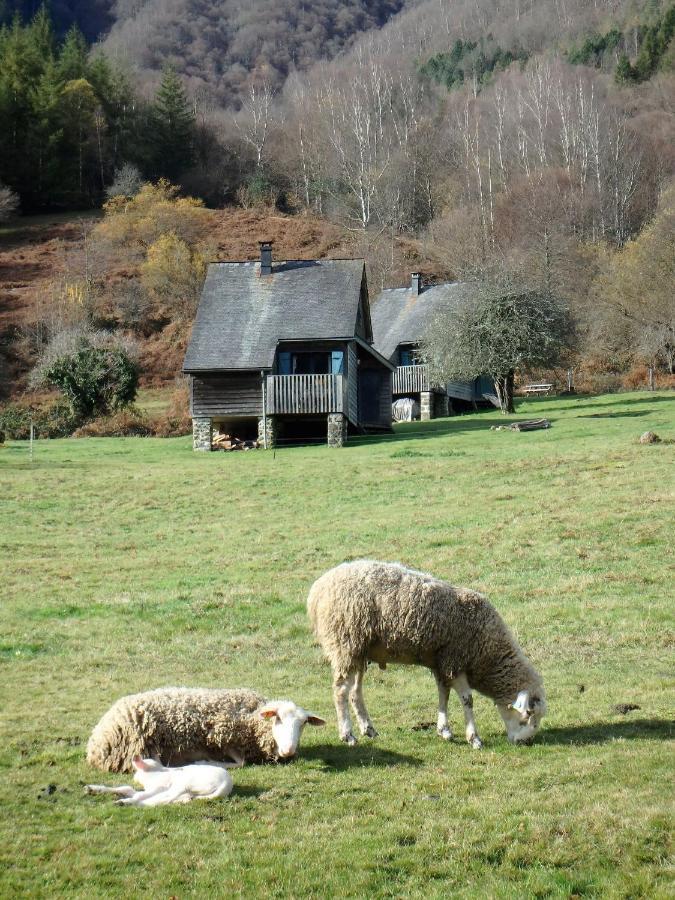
(158, 797)
(461, 685)
(342, 686)
(122, 790)
(137, 797)
(442, 727)
(366, 727)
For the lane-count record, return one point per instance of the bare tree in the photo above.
(495, 329)
(255, 119)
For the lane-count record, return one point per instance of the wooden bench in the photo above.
(543, 388)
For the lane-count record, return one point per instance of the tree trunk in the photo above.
(504, 388)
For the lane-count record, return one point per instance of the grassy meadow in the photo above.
(133, 563)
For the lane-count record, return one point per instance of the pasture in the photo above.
(133, 563)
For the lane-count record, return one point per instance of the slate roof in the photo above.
(401, 316)
(242, 316)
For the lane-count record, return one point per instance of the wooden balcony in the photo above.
(306, 394)
(410, 380)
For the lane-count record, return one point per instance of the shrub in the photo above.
(95, 371)
(128, 182)
(51, 419)
(9, 202)
(129, 422)
(177, 421)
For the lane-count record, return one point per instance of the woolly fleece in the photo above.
(181, 725)
(383, 612)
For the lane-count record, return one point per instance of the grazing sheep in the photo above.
(181, 725)
(161, 785)
(367, 611)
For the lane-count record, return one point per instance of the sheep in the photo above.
(367, 611)
(180, 725)
(161, 785)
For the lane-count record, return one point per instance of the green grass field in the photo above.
(133, 563)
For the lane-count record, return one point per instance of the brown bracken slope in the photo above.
(34, 253)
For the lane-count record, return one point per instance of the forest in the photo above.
(533, 141)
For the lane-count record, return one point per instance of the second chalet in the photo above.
(401, 317)
(283, 350)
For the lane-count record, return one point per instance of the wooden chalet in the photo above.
(283, 349)
(400, 318)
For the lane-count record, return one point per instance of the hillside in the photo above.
(92, 17)
(217, 46)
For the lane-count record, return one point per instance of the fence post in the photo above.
(264, 405)
(32, 435)
(651, 378)
(570, 380)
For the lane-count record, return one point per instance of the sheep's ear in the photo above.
(522, 702)
(268, 712)
(139, 764)
(315, 720)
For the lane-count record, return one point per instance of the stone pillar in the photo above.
(270, 423)
(337, 430)
(201, 434)
(426, 405)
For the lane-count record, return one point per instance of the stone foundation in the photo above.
(337, 430)
(426, 405)
(202, 430)
(269, 423)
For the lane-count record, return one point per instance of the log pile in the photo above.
(229, 443)
(528, 425)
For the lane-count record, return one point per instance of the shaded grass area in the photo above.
(133, 563)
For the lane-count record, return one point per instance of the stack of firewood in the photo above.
(229, 442)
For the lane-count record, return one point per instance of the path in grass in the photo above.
(132, 563)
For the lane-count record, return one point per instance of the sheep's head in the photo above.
(523, 717)
(288, 720)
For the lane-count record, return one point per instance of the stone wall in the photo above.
(337, 430)
(426, 405)
(202, 430)
(269, 423)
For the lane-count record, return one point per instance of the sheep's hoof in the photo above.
(476, 742)
(370, 732)
(125, 802)
(445, 733)
(349, 739)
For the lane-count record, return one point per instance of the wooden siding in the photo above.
(305, 394)
(226, 395)
(410, 379)
(462, 390)
(375, 397)
(352, 385)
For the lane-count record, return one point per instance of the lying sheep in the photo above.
(181, 725)
(161, 785)
(369, 611)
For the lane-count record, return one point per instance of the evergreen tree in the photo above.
(73, 56)
(624, 72)
(173, 126)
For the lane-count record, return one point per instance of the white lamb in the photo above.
(163, 785)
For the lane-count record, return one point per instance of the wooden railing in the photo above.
(410, 380)
(306, 394)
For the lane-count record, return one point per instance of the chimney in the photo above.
(416, 283)
(266, 257)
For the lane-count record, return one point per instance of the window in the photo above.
(407, 357)
(310, 362)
